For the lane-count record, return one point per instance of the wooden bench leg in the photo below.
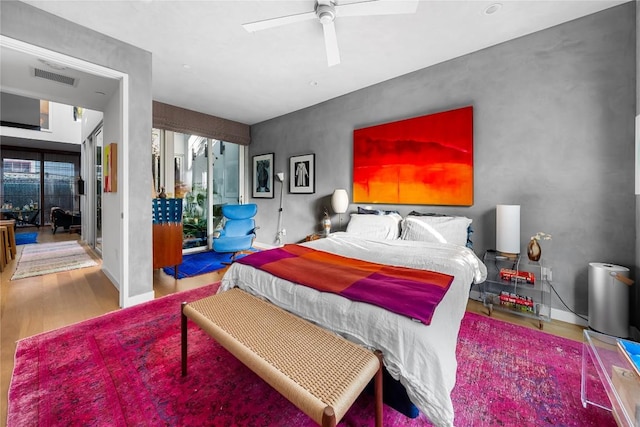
(378, 390)
(184, 339)
(328, 417)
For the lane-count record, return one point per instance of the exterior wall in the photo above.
(553, 131)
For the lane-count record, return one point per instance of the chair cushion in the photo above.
(232, 244)
(239, 227)
(240, 211)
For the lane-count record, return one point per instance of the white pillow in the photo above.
(443, 229)
(375, 226)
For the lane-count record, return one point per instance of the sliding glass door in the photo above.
(204, 173)
(21, 190)
(35, 182)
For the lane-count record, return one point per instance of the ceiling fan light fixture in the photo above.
(494, 8)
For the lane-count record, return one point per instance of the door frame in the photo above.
(121, 283)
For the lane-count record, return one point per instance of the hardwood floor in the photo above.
(38, 304)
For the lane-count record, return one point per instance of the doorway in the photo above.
(118, 112)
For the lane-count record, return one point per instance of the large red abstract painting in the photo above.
(425, 160)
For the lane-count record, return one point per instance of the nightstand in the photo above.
(314, 236)
(517, 286)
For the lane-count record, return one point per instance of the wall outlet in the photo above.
(284, 232)
(546, 273)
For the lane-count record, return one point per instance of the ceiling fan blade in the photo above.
(377, 7)
(277, 22)
(331, 44)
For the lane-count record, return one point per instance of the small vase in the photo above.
(326, 225)
(534, 251)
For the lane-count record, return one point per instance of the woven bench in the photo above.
(319, 372)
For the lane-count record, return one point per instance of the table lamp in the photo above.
(340, 203)
(508, 230)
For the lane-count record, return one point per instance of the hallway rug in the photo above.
(201, 263)
(26, 238)
(45, 258)
(123, 368)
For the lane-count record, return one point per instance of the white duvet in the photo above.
(422, 357)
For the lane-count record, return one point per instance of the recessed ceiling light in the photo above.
(490, 10)
(313, 83)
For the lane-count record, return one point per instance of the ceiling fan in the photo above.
(326, 11)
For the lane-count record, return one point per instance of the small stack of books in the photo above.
(516, 302)
(516, 275)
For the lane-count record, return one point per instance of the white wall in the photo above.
(90, 121)
(111, 205)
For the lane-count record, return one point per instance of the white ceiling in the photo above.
(17, 76)
(205, 61)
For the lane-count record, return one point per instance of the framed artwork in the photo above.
(110, 168)
(302, 174)
(263, 176)
(425, 160)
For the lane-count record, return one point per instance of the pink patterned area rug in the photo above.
(123, 369)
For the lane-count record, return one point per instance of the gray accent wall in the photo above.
(553, 131)
(34, 26)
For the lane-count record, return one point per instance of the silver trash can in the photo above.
(608, 299)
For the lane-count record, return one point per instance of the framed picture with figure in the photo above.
(263, 176)
(302, 174)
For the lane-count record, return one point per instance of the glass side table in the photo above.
(600, 353)
(516, 296)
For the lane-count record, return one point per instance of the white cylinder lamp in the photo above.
(508, 229)
(340, 201)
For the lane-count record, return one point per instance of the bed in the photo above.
(422, 357)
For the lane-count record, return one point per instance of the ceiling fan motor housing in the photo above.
(326, 13)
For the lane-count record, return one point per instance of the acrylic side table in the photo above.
(621, 384)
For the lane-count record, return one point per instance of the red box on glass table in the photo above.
(525, 276)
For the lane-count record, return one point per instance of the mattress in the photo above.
(422, 357)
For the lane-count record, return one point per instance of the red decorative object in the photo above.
(423, 160)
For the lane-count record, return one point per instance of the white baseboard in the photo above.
(568, 317)
(139, 299)
(264, 246)
(111, 277)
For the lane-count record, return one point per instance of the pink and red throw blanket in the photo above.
(406, 291)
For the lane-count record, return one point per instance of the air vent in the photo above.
(54, 77)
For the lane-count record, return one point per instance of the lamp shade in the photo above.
(508, 229)
(340, 201)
